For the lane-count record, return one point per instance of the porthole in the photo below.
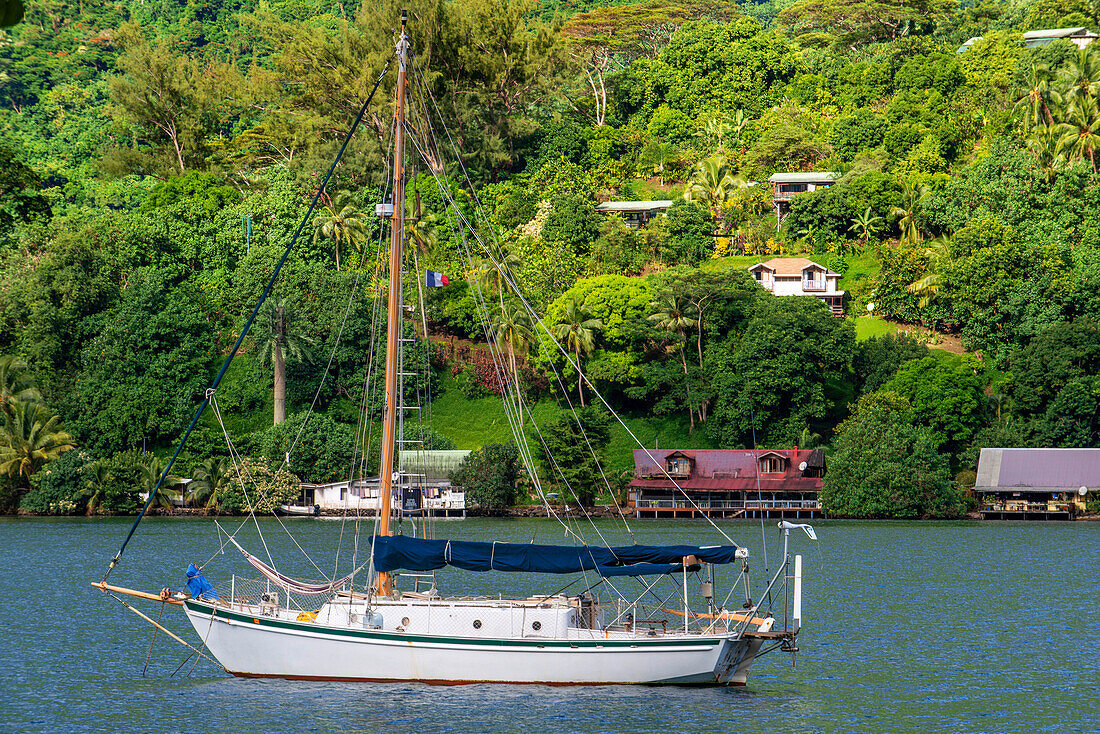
(536, 626)
(477, 624)
(404, 621)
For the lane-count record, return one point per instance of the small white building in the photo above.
(1079, 37)
(797, 276)
(635, 213)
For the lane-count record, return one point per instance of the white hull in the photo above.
(263, 646)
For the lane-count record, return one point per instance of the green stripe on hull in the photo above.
(223, 613)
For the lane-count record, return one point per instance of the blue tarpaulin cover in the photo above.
(418, 554)
(199, 586)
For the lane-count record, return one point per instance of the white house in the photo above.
(636, 214)
(1079, 37)
(797, 276)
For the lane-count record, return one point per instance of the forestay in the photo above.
(417, 554)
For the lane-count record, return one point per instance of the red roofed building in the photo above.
(727, 482)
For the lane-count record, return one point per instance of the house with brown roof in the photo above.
(726, 483)
(1036, 484)
(798, 276)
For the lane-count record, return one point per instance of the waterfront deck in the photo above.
(753, 509)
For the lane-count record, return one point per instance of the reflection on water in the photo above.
(908, 627)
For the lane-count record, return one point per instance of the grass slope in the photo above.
(473, 423)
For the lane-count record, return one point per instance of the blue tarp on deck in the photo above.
(417, 554)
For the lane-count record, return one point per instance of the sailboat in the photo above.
(338, 629)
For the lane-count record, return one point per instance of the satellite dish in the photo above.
(1083, 491)
(870, 307)
(802, 466)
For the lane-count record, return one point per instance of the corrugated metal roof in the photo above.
(633, 206)
(805, 177)
(1040, 469)
(1056, 33)
(717, 469)
(437, 464)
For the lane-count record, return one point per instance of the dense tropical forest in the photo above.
(157, 157)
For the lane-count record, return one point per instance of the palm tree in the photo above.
(213, 479)
(1079, 134)
(657, 155)
(500, 271)
(277, 339)
(865, 225)
(675, 315)
(96, 481)
(577, 329)
(1037, 97)
(150, 474)
(1081, 75)
(712, 185)
(912, 198)
(340, 222)
(32, 436)
(1043, 143)
(513, 327)
(17, 384)
(927, 286)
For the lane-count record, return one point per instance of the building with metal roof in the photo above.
(1042, 484)
(726, 482)
(788, 185)
(635, 213)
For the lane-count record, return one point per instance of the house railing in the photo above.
(728, 505)
(813, 285)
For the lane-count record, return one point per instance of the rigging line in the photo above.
(248, 325)
(756, 470)
(347, 313)
(569, 359)
(510, 411)
(482, 312)
(214, 406)
(498, 365)
(363, 430)
(481, 210)
(237, 468)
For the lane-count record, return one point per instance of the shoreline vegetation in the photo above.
(963, 219)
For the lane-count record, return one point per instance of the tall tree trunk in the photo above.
(687, 394)
(280, 385)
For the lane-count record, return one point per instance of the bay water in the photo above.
(908, 627)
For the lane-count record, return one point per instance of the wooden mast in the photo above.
(393, 324)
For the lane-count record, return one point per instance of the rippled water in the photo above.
(960, 627)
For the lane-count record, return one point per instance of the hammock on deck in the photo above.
(293, 585)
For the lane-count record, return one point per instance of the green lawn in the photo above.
(472, 423)
(869, 326)
(860, 267)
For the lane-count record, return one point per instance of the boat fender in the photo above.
(308, 617)
(372, 620)
(766, 625)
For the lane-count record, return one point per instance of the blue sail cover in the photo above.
(418, 554)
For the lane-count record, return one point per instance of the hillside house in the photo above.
(1079, 37)
(786, 186)
(1036, 484)
(726, 483)
(797, 276)
(636, 214)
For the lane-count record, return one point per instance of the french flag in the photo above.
(436, 280)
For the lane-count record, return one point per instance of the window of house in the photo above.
(680, 467)
(794, 188)
(771, 465)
